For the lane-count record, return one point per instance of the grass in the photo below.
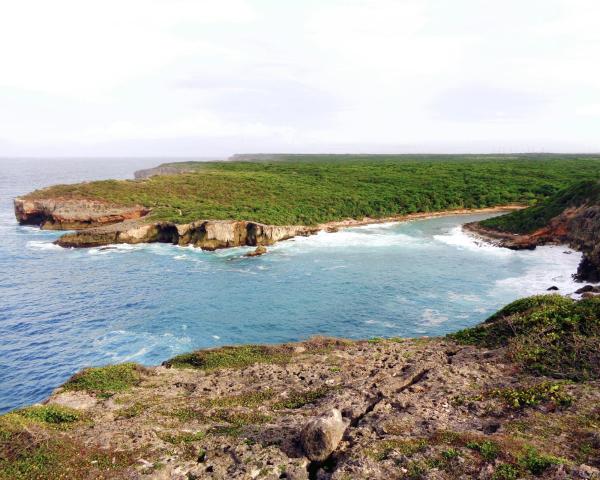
(249, 400)
(49, 414)
(29, 451)
(537, 463)
(538, 216)
(314, 189)
(544, 392)
(230, 357)
(547, 335)
(106, 381)
(300, 399)
(382, 450)
(132, 411)
(488, 450)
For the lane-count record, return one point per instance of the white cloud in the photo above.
(341, 75)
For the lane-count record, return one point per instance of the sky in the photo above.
(212, 78)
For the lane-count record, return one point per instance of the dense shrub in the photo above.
(547, 334)
(315, 189)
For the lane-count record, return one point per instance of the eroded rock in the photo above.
(321, 436)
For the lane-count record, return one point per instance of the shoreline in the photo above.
(349, 223)
(217, 234)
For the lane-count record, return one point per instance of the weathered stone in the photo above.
(588, 288)
(321, 436)
(260, 250)
(73, 214)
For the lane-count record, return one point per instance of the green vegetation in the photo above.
(532, 396)
(106, 381)
(50, 414)
(506, 471)
(383, 449)
(134, 410)
(300, 399)
(488, 450)
(230, 357)
(29, 451)
(537, 463)
(314, 189)
(249, 400)
(547, 334)
(538, 216)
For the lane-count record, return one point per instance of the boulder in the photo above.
(588, 288)
(552, 288)
(321, 436)
(260, 250)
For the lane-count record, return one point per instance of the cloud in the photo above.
(481, 103)
(341, 75)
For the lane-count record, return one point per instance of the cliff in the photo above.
(570, 217)
(481, 404)
(56, 213)
(205, 234)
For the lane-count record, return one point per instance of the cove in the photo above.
(146, 303)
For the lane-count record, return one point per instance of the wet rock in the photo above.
(552, 288)
(321, 436)
(588, 289)
(260, 250)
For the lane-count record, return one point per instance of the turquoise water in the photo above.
(61, 309)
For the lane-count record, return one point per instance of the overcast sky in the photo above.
(212, 78)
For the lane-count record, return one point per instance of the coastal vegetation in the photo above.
(548, 335)
(538, 216)
(312, 189)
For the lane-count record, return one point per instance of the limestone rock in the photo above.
(321, 436)
(73, 214)
(260, 250)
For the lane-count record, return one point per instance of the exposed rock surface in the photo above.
(404, 409)
(260, 250)
(101, 223)
(71, 214)
(205, 234)
(578, 227)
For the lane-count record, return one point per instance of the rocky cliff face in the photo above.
(578, 227)
(206, 234)
(70, 214)
(100, 223)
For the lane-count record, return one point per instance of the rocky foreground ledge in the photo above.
(516, 397)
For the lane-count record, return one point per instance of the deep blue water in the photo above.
(61, 310)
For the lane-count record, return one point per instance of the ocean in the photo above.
(63, 309)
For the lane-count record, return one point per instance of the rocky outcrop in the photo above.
(205, 234)
(324, 409)
(73, 214)
(578, 227)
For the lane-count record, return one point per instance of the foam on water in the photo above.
(553, 265)
(43, 245)
(458, 238)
